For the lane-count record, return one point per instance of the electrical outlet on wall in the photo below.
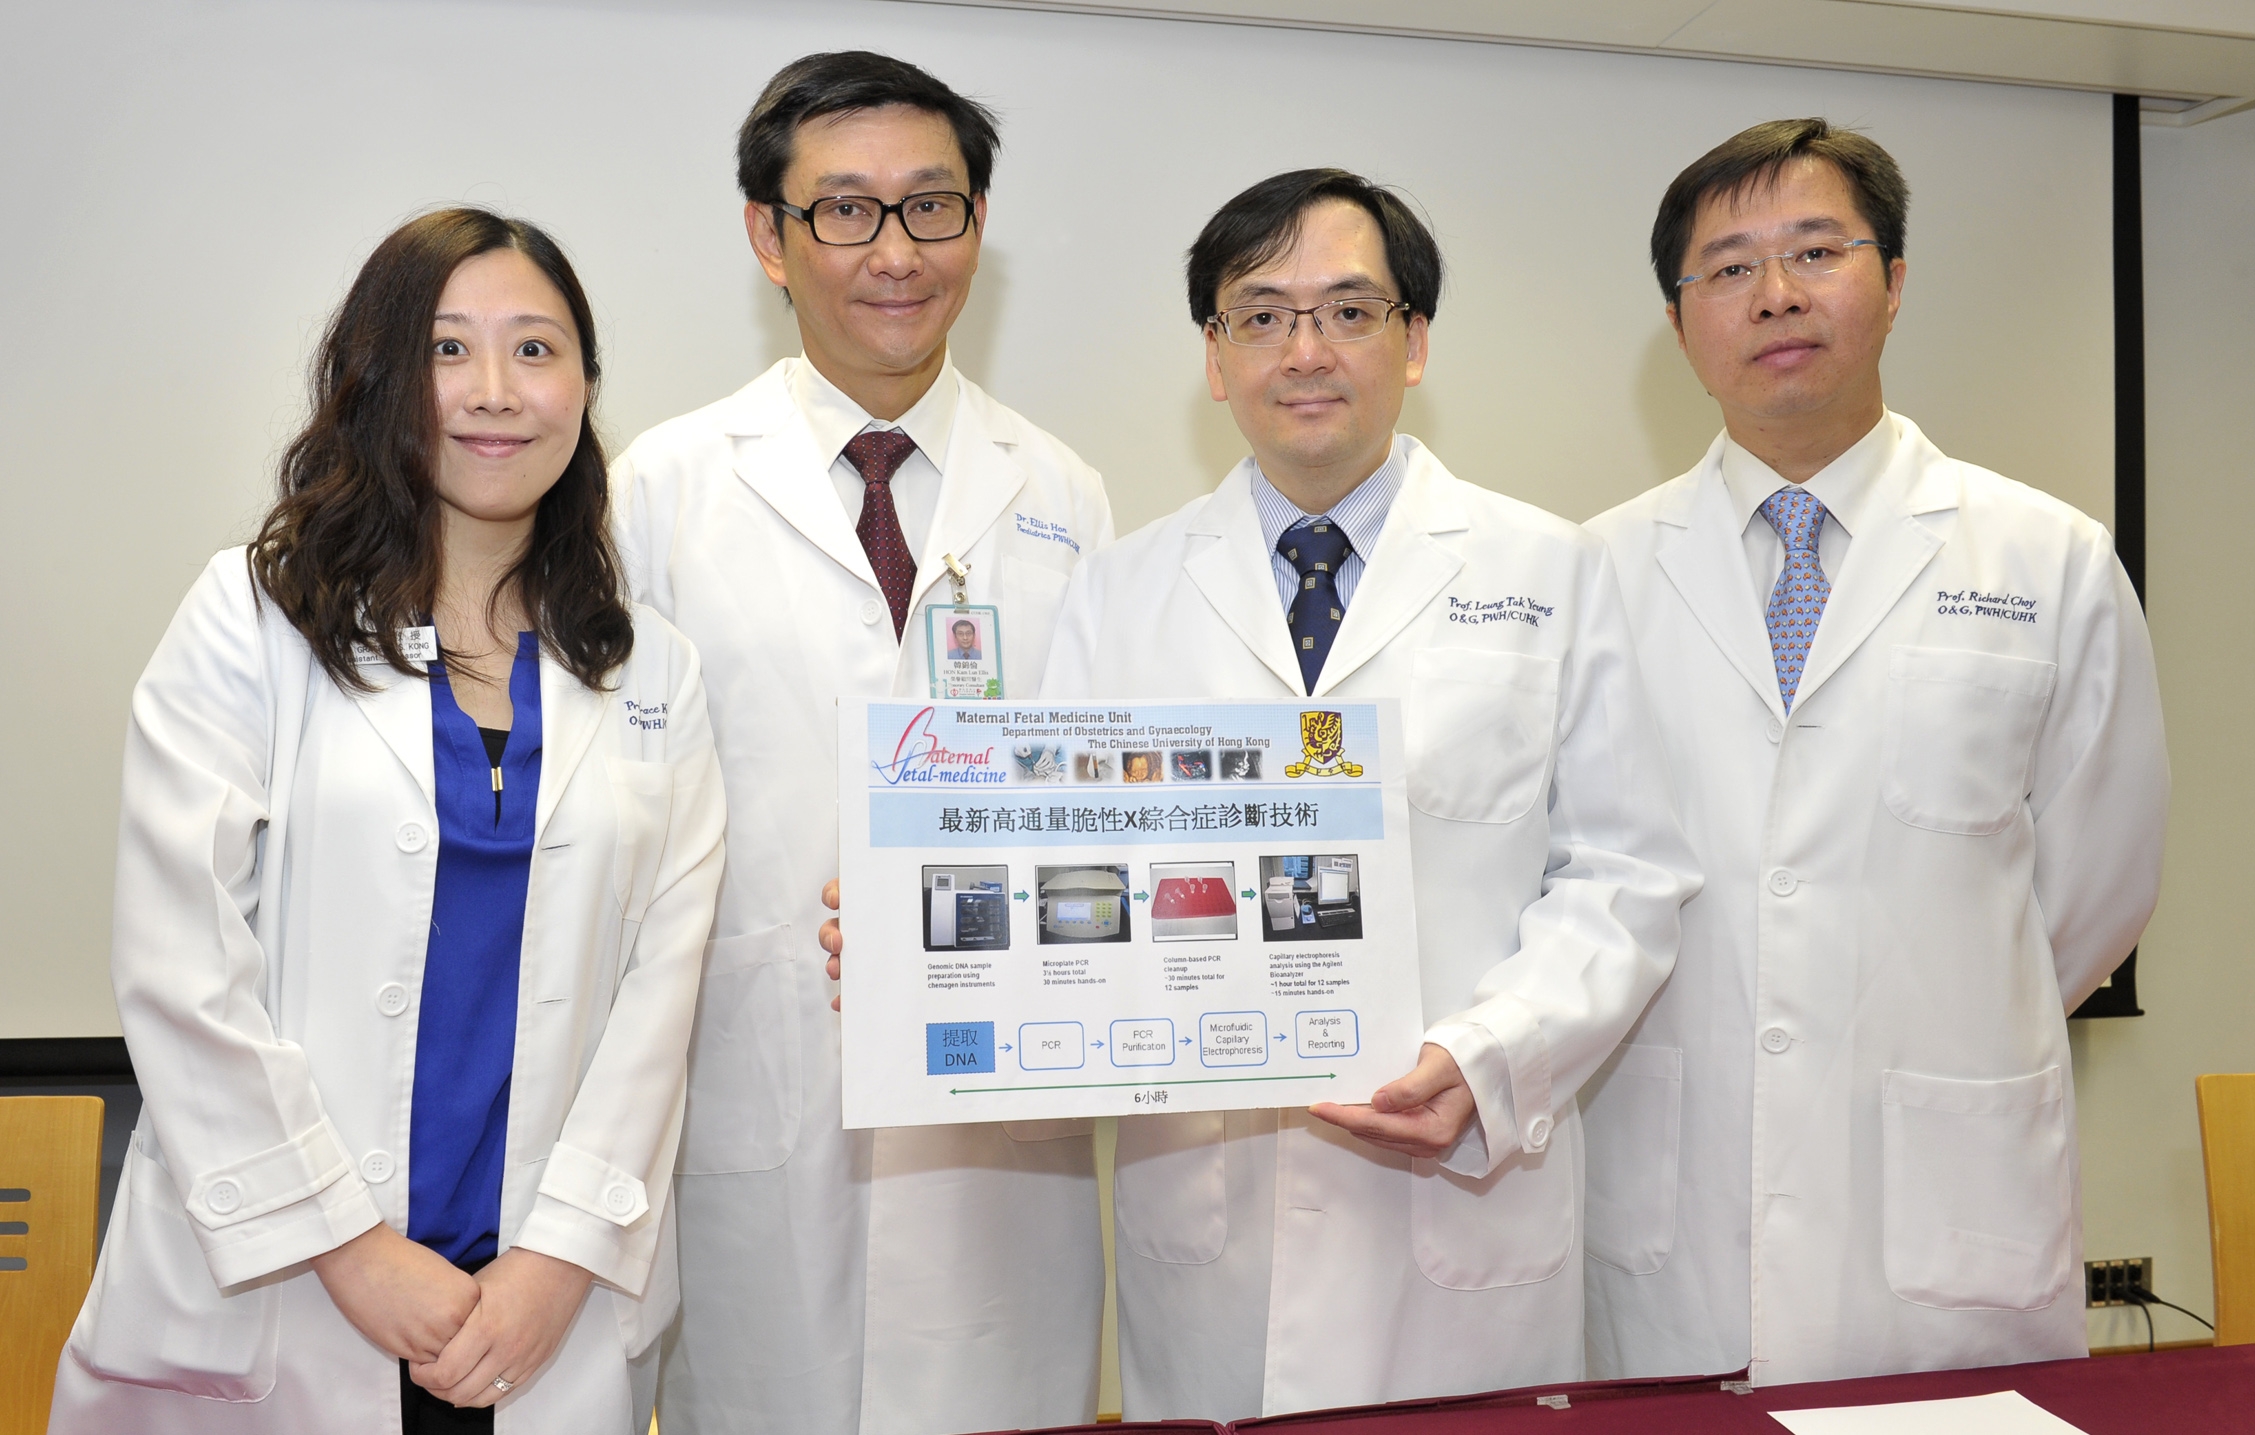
(2110, 1282)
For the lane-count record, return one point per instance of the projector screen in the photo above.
(190, 187)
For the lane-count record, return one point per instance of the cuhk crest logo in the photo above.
(1323, 735)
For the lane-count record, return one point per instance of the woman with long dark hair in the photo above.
(420, 842)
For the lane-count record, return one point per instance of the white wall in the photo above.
(189, 187)
(2142, 1183)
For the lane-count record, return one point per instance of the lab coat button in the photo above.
(618, 1200)
(391, 998)
(1783, 882)
(1538, 1133)
(412, 837)
(1777, 730)
(376, 1167)
(1776, 1040)
(871, 611)
(223, 1197)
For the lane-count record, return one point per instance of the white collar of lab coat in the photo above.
(1706, 561)
(1409, 567)
(834, 419)
(979, 475)
(1844, 486)
(399, 709)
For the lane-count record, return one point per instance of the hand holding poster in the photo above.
(1100, 909)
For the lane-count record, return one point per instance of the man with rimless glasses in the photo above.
(1424, 1239)
(835, 1282)
(1916, 740)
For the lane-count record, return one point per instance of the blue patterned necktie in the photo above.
(1797, 602)
(1315, 547)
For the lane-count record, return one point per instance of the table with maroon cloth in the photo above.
(2182, 1392)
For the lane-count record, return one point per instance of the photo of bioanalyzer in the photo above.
(1193, 902)
(1083, 904)
(1197, 766)
(1312, 898)
(966, 909)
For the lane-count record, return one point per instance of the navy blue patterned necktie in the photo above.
(1315, 547)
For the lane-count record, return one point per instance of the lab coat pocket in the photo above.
(1479, 726)
(1032, 595)
(1512, 1227)
(1979, 1205)
(1169, 1199)
(1632, 1115)
(642, 795)
(745, 1094)
(1961, 736)
(155, 1318)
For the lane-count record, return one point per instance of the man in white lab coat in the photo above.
(803, 531)
(1428, 1242)
(1916, 738)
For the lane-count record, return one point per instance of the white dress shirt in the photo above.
(835, 419)
(1842, 486)
(1361, 514)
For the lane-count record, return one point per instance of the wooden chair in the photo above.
(50, 1194)
(2227, 1145)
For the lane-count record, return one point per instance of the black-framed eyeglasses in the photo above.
(1342, 321)
(929, 218)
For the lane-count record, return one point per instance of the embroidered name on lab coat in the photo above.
(1043, 528)
(1973, 603)
(1513, 609)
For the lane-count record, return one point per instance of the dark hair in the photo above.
(1755, 157)
(350, 551)
(842, 82)
(1261, 224)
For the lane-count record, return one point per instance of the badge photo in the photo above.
(963, 643)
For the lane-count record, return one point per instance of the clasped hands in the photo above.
(457, 1332)
(1421, 1114)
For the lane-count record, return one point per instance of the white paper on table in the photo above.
(1094, 909)
(2007, 1412)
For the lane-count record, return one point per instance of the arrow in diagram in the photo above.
(1005, 1046)
(1280, 1036)
(1143, 896)
(1248, 894)
(1186, 1041)
(1096, 1043)
(1019, 895)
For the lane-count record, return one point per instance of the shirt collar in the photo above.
(1843, 486)
(834, 419)
(1361, 515)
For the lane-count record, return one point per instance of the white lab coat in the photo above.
(915, 1280)
(1549, 871)
(276, 862)
(1950, 842)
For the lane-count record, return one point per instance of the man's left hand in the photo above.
(1422, 1114)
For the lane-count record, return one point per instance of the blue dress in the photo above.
(466, 1029)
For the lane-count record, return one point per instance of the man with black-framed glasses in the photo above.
(827, 532)
(1915, 732)
(1423, 1239)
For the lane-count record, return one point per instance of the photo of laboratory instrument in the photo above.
(1083, 904)
(1314, 898)
(966, 909)
(1193, 902)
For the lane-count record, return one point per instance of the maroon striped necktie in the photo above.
(878, 454)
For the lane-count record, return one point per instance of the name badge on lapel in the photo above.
(418, 645)
(963, 642)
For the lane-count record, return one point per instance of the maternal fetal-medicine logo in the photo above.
(1322, 735)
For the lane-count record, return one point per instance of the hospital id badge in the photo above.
(964, 644)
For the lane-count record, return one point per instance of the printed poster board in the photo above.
(1057, 910)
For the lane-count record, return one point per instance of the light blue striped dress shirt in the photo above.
(1361, 514)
